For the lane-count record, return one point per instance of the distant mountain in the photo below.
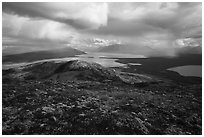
(74, 70)
(111, 48)
(10, 50)
(128, 49)
(40, 55)
(189, 50)
(149, 51)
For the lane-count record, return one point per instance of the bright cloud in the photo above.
(40, 30)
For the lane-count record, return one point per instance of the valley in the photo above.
(101, 68)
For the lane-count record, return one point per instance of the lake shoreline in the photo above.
(188, 70)
(158, 66)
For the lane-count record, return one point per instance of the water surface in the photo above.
(190, 70)
(109, 55)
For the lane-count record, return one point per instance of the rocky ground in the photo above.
(52, 104)
(87, 107)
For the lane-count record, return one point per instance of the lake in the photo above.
(109, 60)
(109, 55)
(190, 70)
(104, 59)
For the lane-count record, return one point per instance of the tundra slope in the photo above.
(75, 70)
(77, 97)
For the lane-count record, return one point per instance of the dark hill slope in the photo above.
(162, 63)
(40, 55)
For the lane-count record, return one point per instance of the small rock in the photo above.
(54, 118)
(82, 115)
(48, 109)
(133, 113)
(42, 125)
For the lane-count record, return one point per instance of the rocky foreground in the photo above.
(53, 104)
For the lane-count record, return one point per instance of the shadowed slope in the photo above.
(75, 70)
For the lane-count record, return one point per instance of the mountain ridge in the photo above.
(75, 70)
(149, 51)
(40, 55)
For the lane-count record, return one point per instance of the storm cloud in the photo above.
(156, 25)
(78, 15)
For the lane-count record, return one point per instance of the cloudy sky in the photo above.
(90, 25)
